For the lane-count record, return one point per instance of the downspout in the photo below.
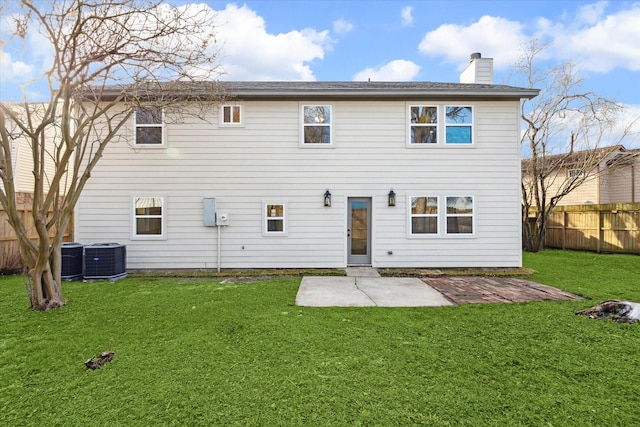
(219, 245)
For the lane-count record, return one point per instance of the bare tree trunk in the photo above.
(128, 49)
(560, 120)
(43, 290)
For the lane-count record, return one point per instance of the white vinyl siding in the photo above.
(263, 163)
(585, 193)
(621, 184)
(22, 157)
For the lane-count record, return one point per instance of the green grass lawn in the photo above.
(198, 352)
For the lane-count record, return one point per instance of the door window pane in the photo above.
(359, 228)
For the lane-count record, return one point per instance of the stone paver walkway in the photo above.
(477, 290)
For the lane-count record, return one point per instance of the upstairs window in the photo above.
(575, 173)
(316, 124)
(148, 214)
(424, 215)
(230, 115)
(149, 126)
(458, 125)
(424, 124)
(460, 215)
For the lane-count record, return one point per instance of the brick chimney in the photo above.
(479, 70)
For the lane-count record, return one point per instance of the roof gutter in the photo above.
(376, 94)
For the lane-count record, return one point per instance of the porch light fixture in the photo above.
(392, 198)
(327, 198)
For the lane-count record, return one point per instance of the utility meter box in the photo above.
(222, 218)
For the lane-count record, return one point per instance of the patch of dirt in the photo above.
(616, 310)
(249, 279)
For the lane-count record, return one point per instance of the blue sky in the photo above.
(400, 40)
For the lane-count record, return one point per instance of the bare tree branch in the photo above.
(131, 50)
(566, 128)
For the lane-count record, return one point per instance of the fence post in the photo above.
(600, 232)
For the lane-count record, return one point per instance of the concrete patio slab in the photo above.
(331, 292)
(361, 291)
(400, 292)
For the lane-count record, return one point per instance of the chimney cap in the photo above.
(475, 55)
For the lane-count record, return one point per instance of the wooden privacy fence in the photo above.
(598, 228)
(9, 248)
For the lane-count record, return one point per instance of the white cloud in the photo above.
(11, 70)
(591, 13)
(628, 124)
(494, 37)
(598, 41)
(600, 46)
(406, 18)
(342, 26)
(397, 70)
(249, 52)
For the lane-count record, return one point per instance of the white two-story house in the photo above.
(319, 174)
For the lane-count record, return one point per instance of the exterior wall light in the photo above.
(392, 198)
(327, 198)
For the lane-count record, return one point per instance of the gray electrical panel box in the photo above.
(209, 211)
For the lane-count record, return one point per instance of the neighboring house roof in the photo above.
(603, 174)
(333, 90)
(626, 157)
(578, 158)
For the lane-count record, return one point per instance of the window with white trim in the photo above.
(575, 173)
(424, 215)
(149, 126)
(274, 222)
(424, 124)
(230, 115)
(148, 217)
(316, 125)
(458, 124)
(460, 215)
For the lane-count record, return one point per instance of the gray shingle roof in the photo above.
(333, 90)
(373, 89)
